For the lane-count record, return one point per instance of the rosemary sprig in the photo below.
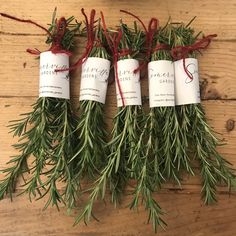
(47, 135)
(200, 139)
(145, 167)
(125, 134)
(90, 150)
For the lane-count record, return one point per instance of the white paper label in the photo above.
(129, 83)
(161, 83)
(94, 79)
(54, 84)
(187, 89)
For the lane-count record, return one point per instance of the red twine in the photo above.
(152, 29)
(56, 39)
(181, 52)
(113, 45)
(160, 47)
(90, 41)
(25, 21)
(150, 32)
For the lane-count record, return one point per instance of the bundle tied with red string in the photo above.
(90, 150)
(118, 166)
(169, 147)
(198, 138)
(46, 134)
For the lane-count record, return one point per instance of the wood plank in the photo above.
(185, 216)
(213, 16)
(20, 71)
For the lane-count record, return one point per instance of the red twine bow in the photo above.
(90, 41)
(56, 38)
(113, 45)
(181, 52)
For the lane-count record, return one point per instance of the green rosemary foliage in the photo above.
(145, 170)
(199, 138)
(125, 134)
(127, 123)
(47, 136)
(172, 142)
(145, 167)
(90, 150)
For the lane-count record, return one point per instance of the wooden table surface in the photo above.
(186, 214)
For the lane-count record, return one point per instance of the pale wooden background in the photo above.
(187, 216)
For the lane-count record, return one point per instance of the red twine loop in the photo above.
(113, 45)
(152, 29)
(90, 41)
(33, 51)
(181, 52)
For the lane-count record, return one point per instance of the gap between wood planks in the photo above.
(81, 36)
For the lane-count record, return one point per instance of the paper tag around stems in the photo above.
(129, 83)
(161, 83)
(187, 90)
(94, 79)
(51, 83)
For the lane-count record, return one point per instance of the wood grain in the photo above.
(186, 215)
(212, 16)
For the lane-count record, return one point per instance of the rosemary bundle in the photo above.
(127, 122)
(90, 150)
(199, 137)
(46, 134)
(154, 150)
(145, 164)
(162, 108)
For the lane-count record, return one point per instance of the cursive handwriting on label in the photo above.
(192, 70)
